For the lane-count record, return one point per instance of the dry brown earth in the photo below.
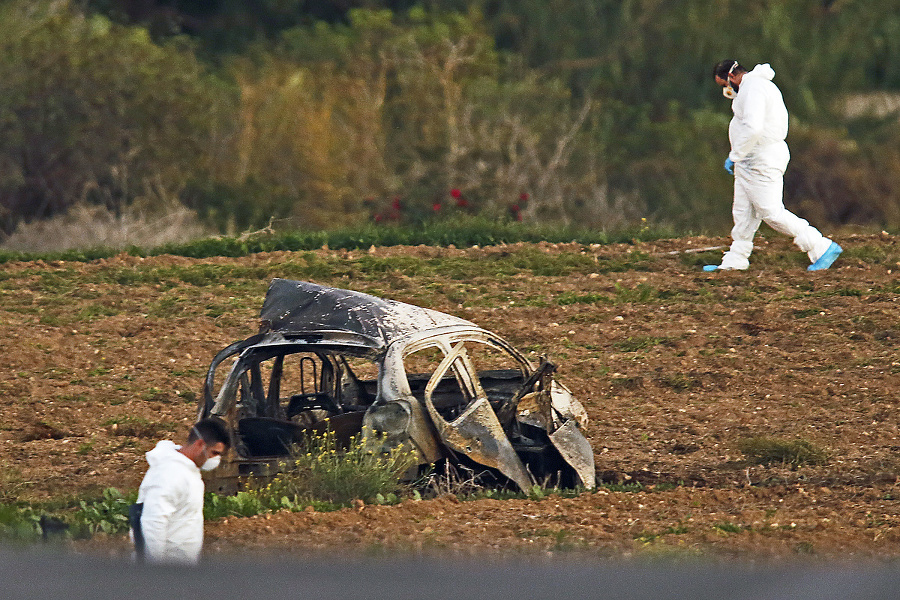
(676, 368)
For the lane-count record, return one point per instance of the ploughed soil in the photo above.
(677, 369)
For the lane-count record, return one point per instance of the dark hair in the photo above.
(722, 69)
(212, 430)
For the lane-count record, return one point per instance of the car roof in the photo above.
(294, 308)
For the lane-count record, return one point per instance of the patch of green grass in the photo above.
(74, 397)
(846, 291)
(155, 394)
(700, 259)
(632, 261)
(727, 527)
(167, 306)
(57, 283)
(633, 344)
(51, 320)
(871, 254)
(567, 298)
(95, 311)
(766, 450)
(624, 487)
(647, 537)
(188, 396)
(462, 233)
(640, 294)
(215, 310)
(804, 548)
(679, 382)
(187, 372)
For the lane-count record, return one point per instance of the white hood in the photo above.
(760, 122)
(164, 452)
(764, 71)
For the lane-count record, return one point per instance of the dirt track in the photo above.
(675, 366)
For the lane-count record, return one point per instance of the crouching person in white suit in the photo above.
(167, 521)
(758, 158)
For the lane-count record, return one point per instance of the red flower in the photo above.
(436, 207)
(456, 193)
(395, 203)
(523, 197)
(462, 203)
(378, 218)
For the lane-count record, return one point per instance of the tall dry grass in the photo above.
(94, 226)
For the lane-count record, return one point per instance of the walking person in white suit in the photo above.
(167, 520)
(758, 158)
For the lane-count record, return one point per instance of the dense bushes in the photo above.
(94, 112)
(432, 115)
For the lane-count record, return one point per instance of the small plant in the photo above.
(633, 344)
(728, 527)
(324, 470)
(242, 504)
(680, 382)
(108, 514)
(767, 450)
(567, 298)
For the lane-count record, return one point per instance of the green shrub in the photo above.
(119, 118)
(108, 514)
(18, 523)
(324, 471)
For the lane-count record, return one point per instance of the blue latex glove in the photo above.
(729, 166)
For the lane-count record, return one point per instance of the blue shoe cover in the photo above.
(710, 268)
(827, 259)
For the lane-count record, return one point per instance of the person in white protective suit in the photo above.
(168, 526)
(758, 158)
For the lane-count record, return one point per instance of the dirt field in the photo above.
(676, 368)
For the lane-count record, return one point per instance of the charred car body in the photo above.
(400, 374)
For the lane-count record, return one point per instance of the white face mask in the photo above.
(728, 91)
(211, 463)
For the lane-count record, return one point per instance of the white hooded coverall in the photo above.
(760, 154)
(172, 494)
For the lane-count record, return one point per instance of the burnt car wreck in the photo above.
(400, 374)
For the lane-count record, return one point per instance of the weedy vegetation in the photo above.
(764, 450)
(322, 470)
